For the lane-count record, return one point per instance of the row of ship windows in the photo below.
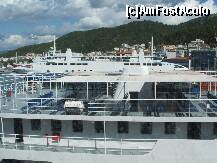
(72, 70)
(122, 127)
(145, 64)
(53, 63)
(77, 126)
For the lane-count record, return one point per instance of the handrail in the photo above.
(121, 146)
(82, 138)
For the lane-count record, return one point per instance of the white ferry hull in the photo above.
(165, 151)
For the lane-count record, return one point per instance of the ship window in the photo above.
(56, 125)
(146, 128)
(72, 63)
(126, 63)
(78, 63)
(60, 63)
(144, 64)
(99, 126)
(148, 64)
(35, 124)
(65, 63)
(134, 64)
(91, 70)
(47, 63)
(54, 63)
(84, 63)
(215, 128)
(170, 128)
(77, 126)
(154, 64)
(123, 127)
(160, 64)
(180, 66)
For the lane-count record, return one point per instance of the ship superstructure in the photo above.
(133, 115)
(76, 62)
(58, 62)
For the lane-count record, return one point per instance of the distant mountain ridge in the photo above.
(137, 32)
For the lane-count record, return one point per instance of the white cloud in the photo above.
(85, 10)
(15, 9)
(78, 15)
(108, 14)
(188, 3)
(76, 4)
(14, 41)
(45, 29)
(40, 38)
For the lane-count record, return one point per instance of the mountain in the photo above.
(3, 52)
(137, 32)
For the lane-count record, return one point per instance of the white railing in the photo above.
(78, 144)
(20, 103)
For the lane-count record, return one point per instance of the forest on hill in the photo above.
(104, 39)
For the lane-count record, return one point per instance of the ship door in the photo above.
(18, 129)
(194, 130)
(134, 103)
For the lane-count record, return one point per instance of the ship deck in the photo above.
(48, 96)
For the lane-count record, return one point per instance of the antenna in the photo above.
(152, 45)
(215, 37)
(54, 45)
(16, 57)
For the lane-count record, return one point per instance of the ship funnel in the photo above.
(69, 51)
(141, 55)
(134, 53)
(68, 54)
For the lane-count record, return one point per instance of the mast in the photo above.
(152, 46)
(54, 45)
(16, 57)
(189, 57)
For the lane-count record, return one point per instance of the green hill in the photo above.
(138, 32)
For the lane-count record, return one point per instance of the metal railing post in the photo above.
(2, 126)
(121, 147)
(15, 136)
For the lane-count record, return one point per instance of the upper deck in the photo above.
(173, 96)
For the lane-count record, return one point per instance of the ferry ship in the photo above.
(135, 115)
(57, 62)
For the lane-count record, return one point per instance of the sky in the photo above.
(25, 22)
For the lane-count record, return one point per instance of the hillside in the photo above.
(133, 33)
